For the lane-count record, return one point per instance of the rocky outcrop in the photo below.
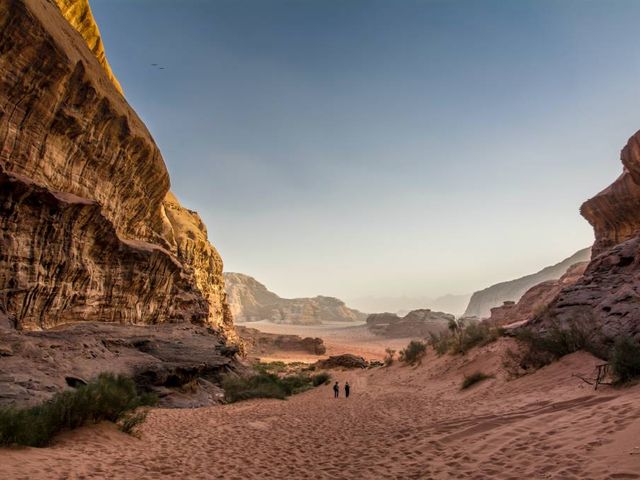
(535, 300)
(89, 230)
(260, 343)
(605, 301)
(347, 361)
(417, 323)
(250, 301)
(483, 301)
(181, 363)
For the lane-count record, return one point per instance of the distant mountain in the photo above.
(250, 301)
(483, 301)
(454, 304)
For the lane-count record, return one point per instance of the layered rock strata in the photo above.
(183, 364)
(89, 228)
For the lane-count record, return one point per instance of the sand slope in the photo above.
(400, 422)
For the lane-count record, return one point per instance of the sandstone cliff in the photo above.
(88, 228)
(607, 297)
(418, 323)
(78, 14)
(483, 301)
(250, 301)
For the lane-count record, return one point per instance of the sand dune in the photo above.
(401, 422)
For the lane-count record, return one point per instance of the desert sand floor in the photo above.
(338, 339)
(401, 422)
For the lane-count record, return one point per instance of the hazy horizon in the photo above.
(383, 149)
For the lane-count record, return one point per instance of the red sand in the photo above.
(401, 422)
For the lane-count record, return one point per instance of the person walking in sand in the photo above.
(336, 390)
(347, 389)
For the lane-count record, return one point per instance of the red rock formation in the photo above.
(89, 229)
(607, 297)
(261, 343)
(417, 323)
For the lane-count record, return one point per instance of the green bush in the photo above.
(473, 379)
(543, 348)
(461, 338)
(413, 353)
(625, 359)
(441, 342)
(108, 397)
(269, 385)
(322, 378)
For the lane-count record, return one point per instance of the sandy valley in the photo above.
(400, 422)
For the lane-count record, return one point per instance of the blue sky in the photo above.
(383, 148)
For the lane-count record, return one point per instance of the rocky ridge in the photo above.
(535, 300)
(483, 301)
(250, 301)
(417, 323)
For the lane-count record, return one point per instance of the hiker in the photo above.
(347, 387)
(336, 390)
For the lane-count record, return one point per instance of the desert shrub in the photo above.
(461, 337)
(473, 379)
(130, 421)
(441, 342)
(389, 357)
(475, 335)
(109, 397)
(269, 385)
(322, 378)
(625, 359)
(542, 348)
(270, 367)
(261, 385)
(413, 352)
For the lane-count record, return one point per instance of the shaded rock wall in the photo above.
(89, 228)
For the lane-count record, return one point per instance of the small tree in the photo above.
(390, 356)
(413, 352)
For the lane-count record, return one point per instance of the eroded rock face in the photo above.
(89, 228)
(483, 301)
(417, 323)
(160, 358)
(606, 299)
(251, 301)
(536, 299)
